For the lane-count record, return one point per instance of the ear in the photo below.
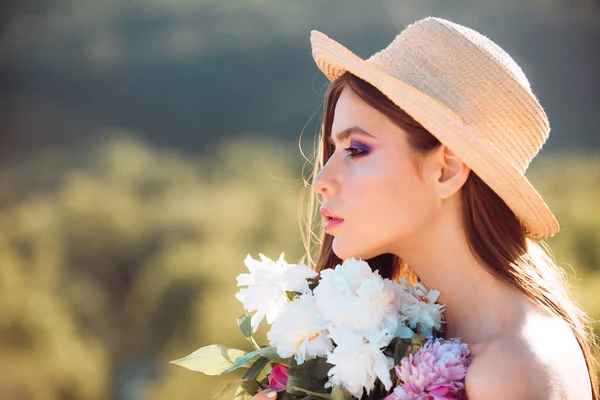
(451, 173)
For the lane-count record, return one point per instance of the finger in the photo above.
(269, 394)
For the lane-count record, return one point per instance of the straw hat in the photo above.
(470, 94)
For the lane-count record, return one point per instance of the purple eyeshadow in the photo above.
(360, 146)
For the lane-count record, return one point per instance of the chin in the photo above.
(345, 251)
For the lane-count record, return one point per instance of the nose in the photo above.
(319, 187)
(323, 183)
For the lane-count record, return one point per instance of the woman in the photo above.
(421, 172)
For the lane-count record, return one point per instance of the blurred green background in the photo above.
(147, 146)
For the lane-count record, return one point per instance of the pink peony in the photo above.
(434, 372)
(279, 376)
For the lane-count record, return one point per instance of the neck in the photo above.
(478, 304)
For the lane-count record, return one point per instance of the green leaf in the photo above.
(269, 352)
(251, 387)
(309, 376)
(400, 351)
(378, 392)
(389, 349)
(244, 323)
(291, 296)
(229, 386)
(304, 382)
(315, 368)
(418, 338)
(394, 378)
(314, 394)
(211, 360)
(417, 342)
(240, 394)
(289, 396)
(339, 393)
(312, 284)
(264, 382)
(256, 368)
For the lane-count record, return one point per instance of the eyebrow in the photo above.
(346, 133)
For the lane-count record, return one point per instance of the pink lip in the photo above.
(332, 223)
(332, 220)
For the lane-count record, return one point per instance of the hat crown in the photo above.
(471, 75)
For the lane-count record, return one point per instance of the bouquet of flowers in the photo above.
(350, 334)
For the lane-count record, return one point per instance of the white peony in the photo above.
(418, 308)
(357, 363)
(267, 283)
(355, 297)
(398, 290)
(403, 331)
(300, 331)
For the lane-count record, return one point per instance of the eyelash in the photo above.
(353, 152)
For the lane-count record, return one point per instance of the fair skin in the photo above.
(394, 201)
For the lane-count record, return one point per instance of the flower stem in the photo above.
(251, 340)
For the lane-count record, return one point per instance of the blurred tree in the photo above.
(43, 353)
(130, 260)
(570, 183)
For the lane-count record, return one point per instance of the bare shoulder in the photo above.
(504, 371)
(540, 360)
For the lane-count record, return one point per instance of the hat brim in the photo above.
(333, 59)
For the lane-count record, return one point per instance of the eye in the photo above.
(356, 150)
(352, 152)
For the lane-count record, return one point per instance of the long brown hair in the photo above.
(494, 233)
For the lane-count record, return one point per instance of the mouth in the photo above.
(331, 220)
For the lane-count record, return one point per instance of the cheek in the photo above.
(394, 201)
(385, 204)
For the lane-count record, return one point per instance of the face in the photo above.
(371, 183)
